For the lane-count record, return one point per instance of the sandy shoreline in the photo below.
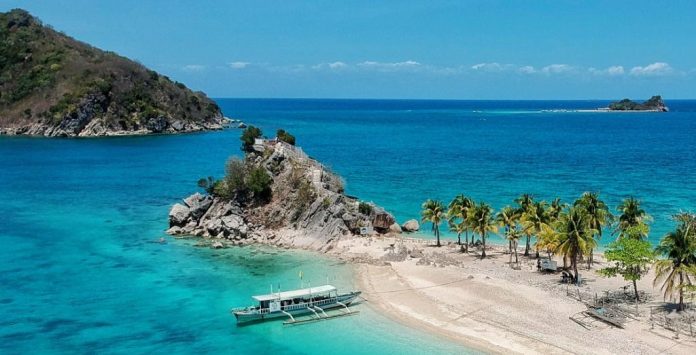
(486, 305)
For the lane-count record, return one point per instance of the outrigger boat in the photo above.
(311, 301)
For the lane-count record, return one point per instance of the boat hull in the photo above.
(246, 317)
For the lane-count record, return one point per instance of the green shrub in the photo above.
(285, 137)
(235, 174)
(259, 183)
(365, 208)
(248, 136)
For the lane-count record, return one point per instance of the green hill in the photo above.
(54, 85)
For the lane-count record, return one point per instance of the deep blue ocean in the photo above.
(80, 269)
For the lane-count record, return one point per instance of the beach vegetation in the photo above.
(508, 218)
(482, 222)
(632, 218)
(598, 214)
(524, 202)
(457, 211)
(574, 236)
(534, 220)
(631, 259)
(434, 211)
(677, 271)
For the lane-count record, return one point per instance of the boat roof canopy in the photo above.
(295, 293)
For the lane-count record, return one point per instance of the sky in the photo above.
(478, 49)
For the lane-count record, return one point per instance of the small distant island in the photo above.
(654, 104)
(53, 85)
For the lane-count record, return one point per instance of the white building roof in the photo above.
(295, 293)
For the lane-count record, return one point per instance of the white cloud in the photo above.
(654, 69)
(238, 65)
(387, 66)
(492, 67)
(333, 66)
(527, 69)
(193, 68)
(556, 69)
(614, 70)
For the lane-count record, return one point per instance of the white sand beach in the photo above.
(489, 306)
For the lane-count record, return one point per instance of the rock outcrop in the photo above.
(655, 104)
(411, 226)
(307, 208)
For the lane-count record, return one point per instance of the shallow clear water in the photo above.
(80, 270)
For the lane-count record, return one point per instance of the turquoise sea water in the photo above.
(399, 153)
(80, 270)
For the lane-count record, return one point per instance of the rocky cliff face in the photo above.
(54, 85)
(308, 208)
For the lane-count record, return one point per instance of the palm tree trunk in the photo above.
(635, 290)
(681, 292)
(510, 260)
(459, 238)
(510, 246)
(526, 247)
(483, 239)
(466, 241)
(589, 260)
(574, 262)
(516, 260)
(437, 234)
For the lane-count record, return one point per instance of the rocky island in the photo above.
(654, 104)
(54, 85)
(280, 196)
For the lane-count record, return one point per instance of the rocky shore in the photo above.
(308, 208)
(81, 124)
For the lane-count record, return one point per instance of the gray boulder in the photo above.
(382, 221)
(411, 226)
(179, 215)
(395, 228)
(198, 204)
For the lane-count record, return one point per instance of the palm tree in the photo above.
(481, 222)
(548, 240)
(433, 212)
(459, 228)
(556, 208)
(507, 218)
(676, 272)
(525, 201)
(534, 220)
(456, 214)
(599, 216)
(513, 236)
(574, 236)
(631, 215)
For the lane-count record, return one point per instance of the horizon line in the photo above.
(424, 99)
